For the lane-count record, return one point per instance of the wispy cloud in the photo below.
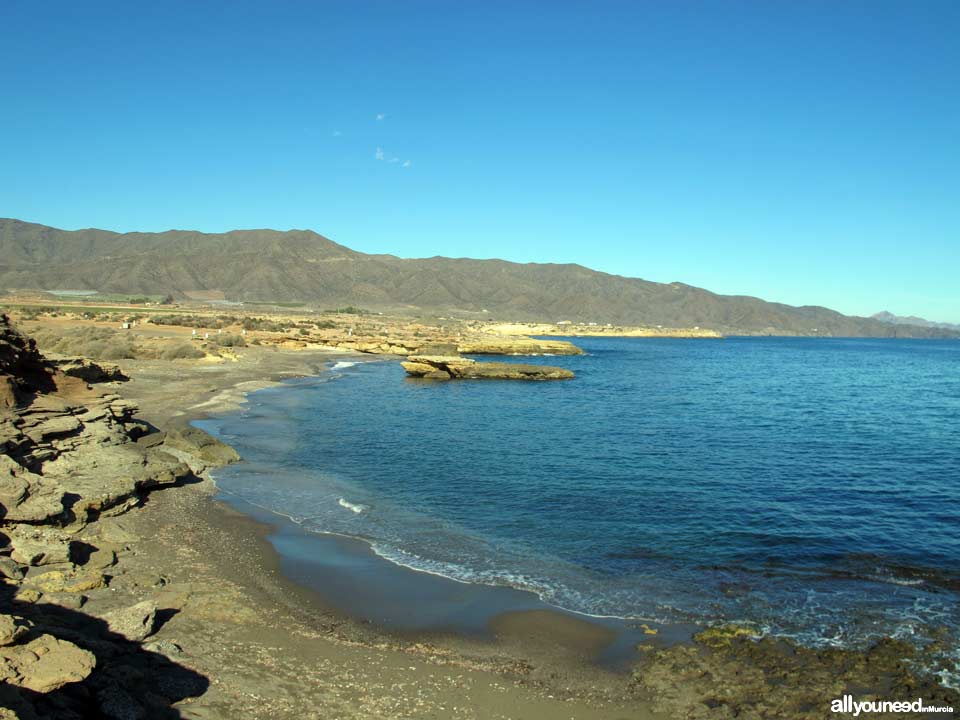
(380, 156)
(381, 116)
(337, 133)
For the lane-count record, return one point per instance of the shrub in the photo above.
(229, 340)
(253, 323)
(117, 350)
(181, 351)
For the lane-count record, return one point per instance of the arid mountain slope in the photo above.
(300, 265)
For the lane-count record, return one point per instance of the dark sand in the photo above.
(288, 623)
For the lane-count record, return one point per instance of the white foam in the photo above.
(342, 365)
(356, 507)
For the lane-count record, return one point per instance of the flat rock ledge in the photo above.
(448, 367)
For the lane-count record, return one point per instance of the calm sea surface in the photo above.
(810, 486)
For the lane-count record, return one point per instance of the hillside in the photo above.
(892, 319)
(300, 265)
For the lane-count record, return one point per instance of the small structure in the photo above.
(125, 326)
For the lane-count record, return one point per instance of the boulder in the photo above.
(10, 569)
(11, 629)
(203, 445)
(38, 548)
(59, 581)
(135, 622)
(25, 496)
(45, 664)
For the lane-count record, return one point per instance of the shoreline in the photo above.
(267, 644)
(559, 653)
(492, 608)
(484, 609)
(630, 638)
(232, 398)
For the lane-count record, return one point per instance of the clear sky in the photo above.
(806, 152)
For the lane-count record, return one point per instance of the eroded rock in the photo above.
(12, 628)
(45, 664)
(455, 367)
(135, 622)
(88, 370)
(59, 581)
(26, 497)
(39, 546)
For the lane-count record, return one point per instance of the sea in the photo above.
(808, 487)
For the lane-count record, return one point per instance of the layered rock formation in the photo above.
(517, 346)
(447, 367)
(399, 343)
(69, 457)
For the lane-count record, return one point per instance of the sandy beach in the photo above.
(238, 616)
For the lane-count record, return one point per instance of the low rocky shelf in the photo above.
(447, 367)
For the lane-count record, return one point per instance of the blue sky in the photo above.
(805, 152)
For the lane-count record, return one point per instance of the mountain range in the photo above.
(302, 266)
(889, 317)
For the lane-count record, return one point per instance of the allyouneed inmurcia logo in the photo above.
(848, 705)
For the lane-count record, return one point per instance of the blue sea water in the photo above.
(808, 486)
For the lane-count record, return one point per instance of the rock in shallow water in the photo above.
(443, 367)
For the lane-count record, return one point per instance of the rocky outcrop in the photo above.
(88, 370)
(446, 367)
(135, 622)
(199, 447)
(517, 346)
(45, 663)
(69, 456)
(22, 369)
(730, 672)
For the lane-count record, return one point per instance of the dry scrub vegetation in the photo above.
(100, 343)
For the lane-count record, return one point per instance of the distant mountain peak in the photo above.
(888, 317)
